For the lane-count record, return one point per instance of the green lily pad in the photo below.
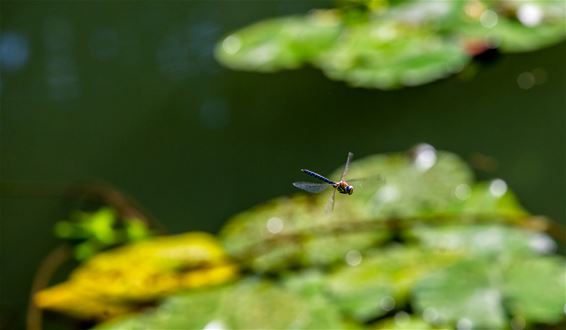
(389, 55)
(281, 43)
(465, 293)
(484, 239)
(511, 36)
(295, 231)
(475, 292)
(250, 304)
(393, 44)
(402, 321)
(380, 253)
(492, 199)
(419, 184)
(299, 230)
(383, 281)
(193, 310)
(536, 289)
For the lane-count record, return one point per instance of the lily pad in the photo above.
(299, 231)
(389, 55)
(383, 281)
(249, 304)
(412, 185)
(402, 321)
(536, 289)
(393, 44)
(493, 199)
(281, 43)
(137, 273)
(510, 36)
(339, 270)
(484, 239)
(476, 292)
(464, 292)
(296, 231)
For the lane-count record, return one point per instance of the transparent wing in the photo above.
(345, 170)
(311, 187)
(330, 204)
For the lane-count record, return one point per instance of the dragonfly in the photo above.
(341, 186)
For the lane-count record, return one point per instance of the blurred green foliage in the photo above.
(425, 247)
(390, 44)
(92, 232)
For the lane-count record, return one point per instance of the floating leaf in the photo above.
(423, 12)
(281, 43)
(386, 55)
(383, 281)
(422, 239)
(535, 289)
(141, 272)
(393, 44)
(402, 321)
(191, 310)
(464, 292)
(512, 37)
(250, 304)
(492, 199)
(81, 303)
(476, 291)
(299, 231)
(295, 231)
(416, 185)
(483, 239)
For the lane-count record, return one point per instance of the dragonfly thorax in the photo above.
(344, 188)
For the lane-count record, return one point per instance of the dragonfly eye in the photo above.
(350, 190)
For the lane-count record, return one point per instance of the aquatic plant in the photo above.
(389, 44)
(426, 248)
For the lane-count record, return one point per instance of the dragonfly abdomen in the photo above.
(318, 176)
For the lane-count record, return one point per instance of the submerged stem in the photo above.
(47, 268)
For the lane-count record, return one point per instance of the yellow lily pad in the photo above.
(113, 282)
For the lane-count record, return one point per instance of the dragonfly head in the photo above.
(349, 189)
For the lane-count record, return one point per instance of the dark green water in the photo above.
(130, 94)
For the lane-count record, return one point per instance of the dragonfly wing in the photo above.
(311, 187)
(331, 201)
(346, 166)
